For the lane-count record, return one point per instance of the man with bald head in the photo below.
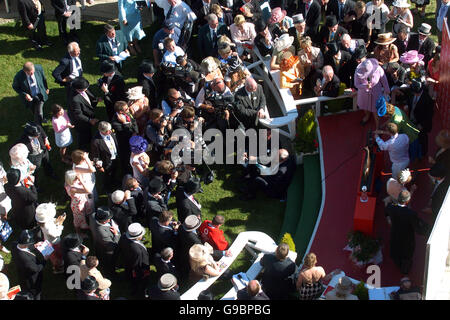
(250, 103)
(31, 85)
(252, 292)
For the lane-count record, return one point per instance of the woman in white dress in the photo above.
(139, 159)
(61, 125)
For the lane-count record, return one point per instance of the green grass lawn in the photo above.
(220, 197)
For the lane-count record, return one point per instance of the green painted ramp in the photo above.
(294, 203)
(311, 204)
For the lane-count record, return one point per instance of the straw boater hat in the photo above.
(135, 93)
(385, 38)
(344, 286)
(191, 223)
(401, 4)
(424, 29)
(135, 230)
(443, 139)
(410, 57)
(167, 282)
(283, 42)
(277, 15)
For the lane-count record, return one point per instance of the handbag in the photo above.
(5, 231)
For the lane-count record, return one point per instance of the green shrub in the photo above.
(287, 238)
(306, 136)
(361, 291)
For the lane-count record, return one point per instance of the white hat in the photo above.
(135, 230)
(404, 176)
(401, 4)
(167, 282)
(283, 42)
(117, 196)
(45, 212)
(135, 93)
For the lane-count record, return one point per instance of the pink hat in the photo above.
(411, 57)
(277, 15)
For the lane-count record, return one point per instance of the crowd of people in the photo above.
(203, 82)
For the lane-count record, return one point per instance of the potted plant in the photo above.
(364, 249)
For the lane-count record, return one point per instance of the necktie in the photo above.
(214, 37)
(341, 10)
(33, 87)
(78, 66)
(169, 12)
(128, 118)
(114, 45)
(331, 36)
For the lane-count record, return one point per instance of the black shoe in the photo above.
(36, 45)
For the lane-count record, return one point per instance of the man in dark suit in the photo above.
(163, 262)
(340, 8)
(252, 292)
(36, 140)
(69, 68)
(250, 103)
(277, 269)
(29, 264)
(106, 236)
(62, 13)
(136, 191)
(441, 183)
(167, 288)
(402, 40)
(404, 223)
(124, 126)
(164, 231)
(330, 32)
(150, 86)
(329, 83)
(208, 35)
(123, 208)
(32, 14)
(336, 58)
(113, 86)
(82, 111)
(110, 45)
(135, 256)
(104, 147)
(422, 42)
(297, 31)
(348, 70)
(153, 199)
(310, 9)
(31, 85)
(201, 9)
(88, 287)
(186, 203)
(73, 251)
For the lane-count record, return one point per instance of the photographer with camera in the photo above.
(187, 73)
(158, 132)
(175, 102)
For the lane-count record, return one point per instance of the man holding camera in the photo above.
(158, 131)
(175, 102)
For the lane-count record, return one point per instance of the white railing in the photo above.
(257, 244)
(437, 251)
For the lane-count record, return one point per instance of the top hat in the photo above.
(411, 56)
(424, 29)
(147, 67)
(167, 282)
(72, 241)
(283, 42)
(103, 214)
(138, 144)
(107, 67)
(155, 185)
(384, 38)
(331, 21)
(169, 24)
(80, 83)
(401, 4)
(298, 18)
(89, 284)
(31, 130)
(333, 48)
(344, 286)
(381, 106)
(260, 26)
(13, 176)
(26, 237)
(277, 15)
(135, 230)
(191, 223)
(192, 186)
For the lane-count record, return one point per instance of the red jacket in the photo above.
(213, 235)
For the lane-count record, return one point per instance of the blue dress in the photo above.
(128, 10)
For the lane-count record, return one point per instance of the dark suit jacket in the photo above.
(275, 280)
(186, 239)
(332, 88)
(243, 295)
(124, 131)
(104, 240)
(400, 46)
(60, 7)
(260, 44)
(424, 110)
(116, 92)
(162, 237)
(29, 267)
(293, 33)
(80, 111)
(164, 267)
(100, 150)
(324, 34)
(279, 182)
(333, 8)
(135, 256)
(153, 206)
(200, 10)
(312, 19)
(26, 141)
(246, 109)
(24, 203)
(256, 9)
(185, 207)
(103, 50)
(329, 60)
(157, 294)
(426, 49)
(21, 86)
(150, 88)
(206, 43)
(71, 258)
(123, 214)
(64, 69)
(28, 12)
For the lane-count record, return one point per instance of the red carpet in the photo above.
(342, 140)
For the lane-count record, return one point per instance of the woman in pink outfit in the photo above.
(61, 125)
(371, 82)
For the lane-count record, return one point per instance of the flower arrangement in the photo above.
(306, 136)
(364, 248)
(361, 291)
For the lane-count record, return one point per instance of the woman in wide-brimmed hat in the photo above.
(401, 15)
(371, 82)
(139, 106)
(280, 46)
(385, 51)
(139, 159)
(414, 65)
(201, 262)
